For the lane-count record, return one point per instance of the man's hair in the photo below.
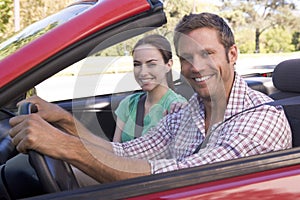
(204, 20)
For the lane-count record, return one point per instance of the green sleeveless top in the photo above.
(127, 108)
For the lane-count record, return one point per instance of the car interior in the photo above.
(286, 80)
(41, 177)
(103, 124)
(97, 114)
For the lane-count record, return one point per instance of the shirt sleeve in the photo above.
(249, 134)
(173, 98)
(155, 144)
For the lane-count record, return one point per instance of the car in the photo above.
(79, 52)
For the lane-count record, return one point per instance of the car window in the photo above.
(104, 72)
(39, 28)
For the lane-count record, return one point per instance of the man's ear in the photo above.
(233, 54)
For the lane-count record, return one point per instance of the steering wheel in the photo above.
(54, 175)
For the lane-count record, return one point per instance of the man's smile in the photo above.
(203, 78)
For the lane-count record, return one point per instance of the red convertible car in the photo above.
(77, 48)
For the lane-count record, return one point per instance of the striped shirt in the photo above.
(172, 143)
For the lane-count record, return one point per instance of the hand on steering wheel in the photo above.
(54, 175)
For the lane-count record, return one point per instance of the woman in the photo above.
(152, 60)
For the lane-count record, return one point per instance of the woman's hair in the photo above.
(205, 20)
(164, 47)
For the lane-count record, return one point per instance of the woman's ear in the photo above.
(169, 65)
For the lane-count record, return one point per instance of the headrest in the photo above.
(286, 76)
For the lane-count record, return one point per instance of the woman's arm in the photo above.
(118, 131)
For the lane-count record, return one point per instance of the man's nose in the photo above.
(198, 64)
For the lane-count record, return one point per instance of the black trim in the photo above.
(102, 106)
(183, 178)
(139, 120)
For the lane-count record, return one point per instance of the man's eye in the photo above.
(185, 59)
(205, 54)
(151, 64)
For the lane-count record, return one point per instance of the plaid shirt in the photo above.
(172, 143)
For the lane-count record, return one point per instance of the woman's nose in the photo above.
(143, 69)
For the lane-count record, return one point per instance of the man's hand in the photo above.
(175, 107)
(48, 111)
(31, 132)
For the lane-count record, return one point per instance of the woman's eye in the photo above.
(137, 65)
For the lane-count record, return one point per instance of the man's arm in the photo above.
(97, 160)
(104, 165)
(265, 130)
(64, 120)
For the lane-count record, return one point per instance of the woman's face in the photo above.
(149, 67)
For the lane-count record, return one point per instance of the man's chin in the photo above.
(204, 94)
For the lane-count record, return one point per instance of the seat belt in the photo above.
(139, 120)
(280, 102)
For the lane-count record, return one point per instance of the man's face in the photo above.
(204, 63)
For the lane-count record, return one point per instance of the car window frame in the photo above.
(79, 51)
(52, 21)
(267, 167)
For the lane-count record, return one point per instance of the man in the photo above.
(218, 124)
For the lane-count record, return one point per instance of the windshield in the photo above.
(39, 28)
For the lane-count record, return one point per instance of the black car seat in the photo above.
(183, 87)
(286, 78)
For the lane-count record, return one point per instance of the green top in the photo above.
(126, 112)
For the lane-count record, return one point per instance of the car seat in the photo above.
(286, 78)
(183, 87)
